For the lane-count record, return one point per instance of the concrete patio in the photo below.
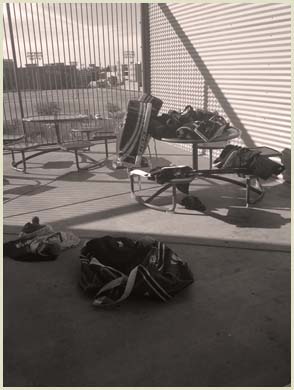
(99, 200)
(230, 328)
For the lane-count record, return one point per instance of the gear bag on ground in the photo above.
(113, 268)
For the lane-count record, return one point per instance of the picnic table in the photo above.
(217, 143)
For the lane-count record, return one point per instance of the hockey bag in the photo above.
(113, 268)
(135, 131)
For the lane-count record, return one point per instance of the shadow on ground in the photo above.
(57, 164)
(255, 218)
(233, 323)
(28, 190)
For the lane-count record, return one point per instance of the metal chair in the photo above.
(246, 179)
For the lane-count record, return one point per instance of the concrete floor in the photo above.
(230, 328)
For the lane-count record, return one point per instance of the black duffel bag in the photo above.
(113, 268)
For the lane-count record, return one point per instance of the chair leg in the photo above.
(210, 158)
(88, 139)
(139, 183)
(248, 187)
(155, 149)
(195, 156)
(258, 188)
(77, 160)
(150, 156)
(174, 199)
(24, 161)
(132, 181)
(13, 157)
(106, 148)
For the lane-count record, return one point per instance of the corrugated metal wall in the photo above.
(234, 58)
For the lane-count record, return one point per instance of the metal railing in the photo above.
(69, 58)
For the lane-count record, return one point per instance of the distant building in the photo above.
(31, 65)
(9, 82)
(31, 76)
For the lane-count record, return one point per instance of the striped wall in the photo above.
(233, 58)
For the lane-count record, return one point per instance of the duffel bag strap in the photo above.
(153, 285)
(103, 299)
(115, 272)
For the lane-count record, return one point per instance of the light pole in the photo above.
(35, 56)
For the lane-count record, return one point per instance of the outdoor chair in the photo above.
(134, 136)
(30, 148)
(175, 178)
(95, 131)
(179, 183)
(134, 133)
(10, 139)
(137, 135)
(23, 148)
(30, 151)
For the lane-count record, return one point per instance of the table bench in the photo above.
(23, 148)
(77, 146)
(37, 150)
(12, 138)
(218, 143)
(95, 134)
(246, 180)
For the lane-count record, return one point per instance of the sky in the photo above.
(86, 33)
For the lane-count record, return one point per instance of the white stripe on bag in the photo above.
(115, 283)
(153, 284)
(136, 133)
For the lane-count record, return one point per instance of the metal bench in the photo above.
(250, 182)
(77, 147)
(23, 148)
(31, 150)
(94, 134)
